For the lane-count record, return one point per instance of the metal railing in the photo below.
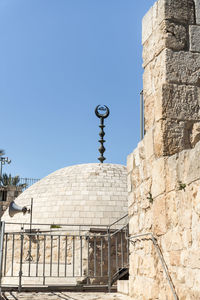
(28, 182)
(74, 254)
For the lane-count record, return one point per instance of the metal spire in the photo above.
(102, 112)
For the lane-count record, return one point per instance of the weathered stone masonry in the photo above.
(164, 170)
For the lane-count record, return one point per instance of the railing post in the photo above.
(127, 244)
(2, 224)
(109, 261)
(21, 262)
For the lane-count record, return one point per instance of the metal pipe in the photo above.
(116, 251)
(5, 257)
(58, 256)
(13, 249)
(81, 256)
(73, 255)
(66, 257)
(122, 250)
(88, 254)
(101, 257)
(141, 115)
(51, 255)
(21, 262)
(109, 262)
(37, 259)
(44, 255)
(95, 256)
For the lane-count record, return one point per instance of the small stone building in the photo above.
(72, 209)
(7, 195)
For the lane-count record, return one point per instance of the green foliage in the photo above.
(182, 186)
(55, 226)
(8, 180)
(150, 198)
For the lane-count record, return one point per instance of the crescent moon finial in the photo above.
(102, 112)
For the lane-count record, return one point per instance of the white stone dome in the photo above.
(90, 194)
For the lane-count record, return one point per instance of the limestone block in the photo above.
(148, 220)
(195, 230)
(182, 167)
(185, 209)
(131, 198)
(144, 170)
(166, 35)
(193, 172)
(180, 102)
(175, 257)
(136, 180)
(172, 240)
(130, 162)
(171, 173)
(178, 10)
(190, 259)
(158, 177)
(129, 185)
(134, 225)
(197, 9)
(148, 266)
(123, 287)
(187, 238)
(139, 292)
(159, 216)
(176, 136)
(155, 74)
(181, 10)
(158, 139)
(172, 207)
(148, 144)
(194, 35)
(149, 112)
(182, 67)
(195, 134)
(147, 25)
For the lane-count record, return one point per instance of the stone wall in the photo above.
(12, 192)
(164, 170)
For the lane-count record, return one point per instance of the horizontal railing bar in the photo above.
(61, 276)
(48, 224)
(53, 235)
(118, 220)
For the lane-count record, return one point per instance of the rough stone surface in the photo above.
(182, 11)
(182, 67)
(194, 35)
(197, 10)
(167, 35)
(165, 192)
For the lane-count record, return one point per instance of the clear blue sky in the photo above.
(59, 59)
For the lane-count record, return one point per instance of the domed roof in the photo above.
(81, 194)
